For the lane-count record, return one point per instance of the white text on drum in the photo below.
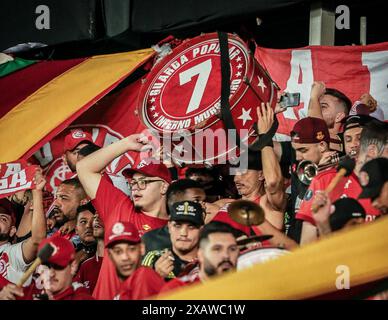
(176, 64)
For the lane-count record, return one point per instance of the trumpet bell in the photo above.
(306, 171)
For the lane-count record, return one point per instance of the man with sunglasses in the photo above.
(59, 282)
(146, 210)
(75, 140)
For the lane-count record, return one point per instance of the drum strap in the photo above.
(226, 115)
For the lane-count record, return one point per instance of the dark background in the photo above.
(87, 27)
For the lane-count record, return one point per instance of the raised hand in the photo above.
(369, 101)
(318, 88)
(138, 142)
(39, 179)
(165, 264)
(265, 116)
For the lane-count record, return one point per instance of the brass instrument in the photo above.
(307, 169)
(246, 212)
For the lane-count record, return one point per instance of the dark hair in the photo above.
(179, 187)
(213, 172)
(347, 104)
(88, 149)
(215, 227)
(85, 207)
(374, 132)
(74, 182)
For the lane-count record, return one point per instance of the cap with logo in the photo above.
(64, 252)
(187, 211)
(6, 207)
(151, 168)
(310, 130)
(122, 232)
(345, 210)
(373, 175)
(355, 121)
(75, 137)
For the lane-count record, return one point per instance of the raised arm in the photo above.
(317, 90)
(271, 167)
(38, 224)
(89, 168)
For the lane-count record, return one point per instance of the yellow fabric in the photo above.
(41, 112)
(308, 271)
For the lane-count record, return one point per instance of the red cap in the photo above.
(150, 168)
(64, 252)
(6, 207)
(310, 130)
(223, 216)
(123, 232)
(75, 137)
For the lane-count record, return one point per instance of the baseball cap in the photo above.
(64, 252)
(187, 211)
(310, 130)
(6, 207)
(345, 210)
(122, 232)
(75, 137)
(151, 168)
(372, 177)
(355, 121)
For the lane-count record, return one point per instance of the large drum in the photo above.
(259, 255)
(180, 99)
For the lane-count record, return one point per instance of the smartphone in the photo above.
(289, 99)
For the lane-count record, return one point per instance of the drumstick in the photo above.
(43, 255)
(344, 169)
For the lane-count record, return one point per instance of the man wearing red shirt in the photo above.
(75, 140)
(373, 144)
(90, 268)
(217, 254)
(60, 277)
(147, 210)
(125, 250)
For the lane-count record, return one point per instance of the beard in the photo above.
(211, 270)
(4, 236)
(138, 208)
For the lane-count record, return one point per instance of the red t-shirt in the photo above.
(347, 187)
(142, 284)
(180, 282)
(113, 206)
(88, 272)
(74, 294)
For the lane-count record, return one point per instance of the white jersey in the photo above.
(12, 265)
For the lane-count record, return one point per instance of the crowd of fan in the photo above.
(172, 231)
